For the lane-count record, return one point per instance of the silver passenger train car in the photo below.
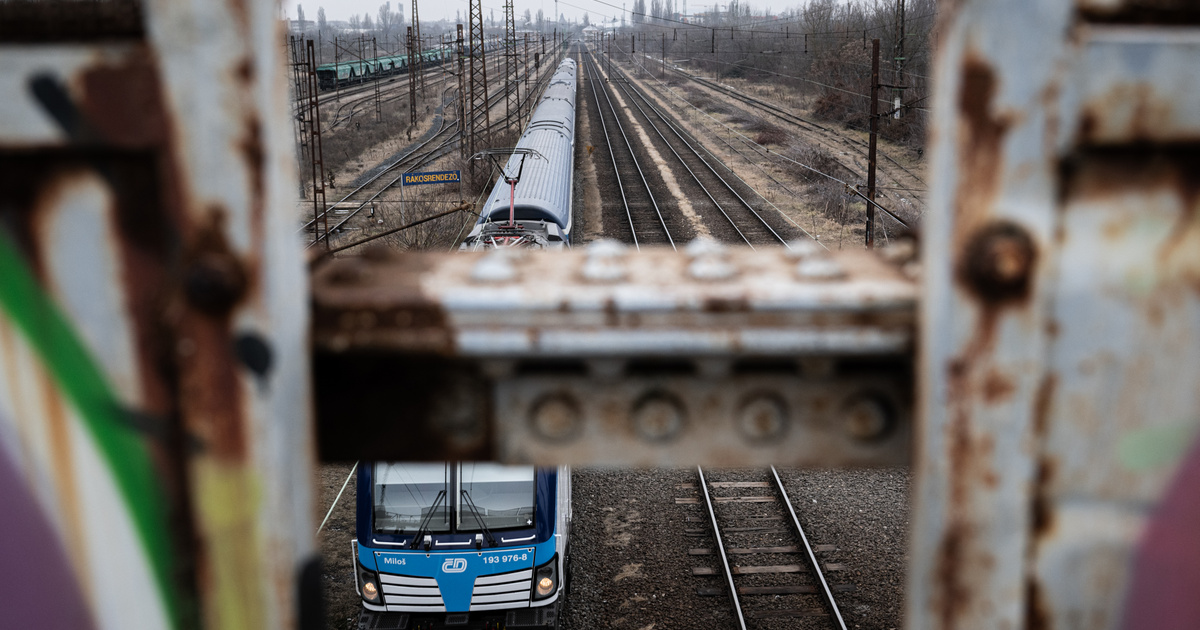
(540, 203)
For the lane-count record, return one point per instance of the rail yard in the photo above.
(632, 317)
(644, 550)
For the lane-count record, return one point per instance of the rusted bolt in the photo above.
(762, 418)
(998, 262)
(657, 417)
(555, 418)
(868, 418)
(214, 282)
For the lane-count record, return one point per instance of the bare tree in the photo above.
(367, 23)
(528, 18)
(300, 17)
(322, 24)
(387, 19)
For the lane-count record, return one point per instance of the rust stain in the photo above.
(997, 387)
(981, 137)
(725, 305)
(210, 388)
(1037, 615)
(1149, 112)
(255, 156)
(1037, 609)
(124, 103)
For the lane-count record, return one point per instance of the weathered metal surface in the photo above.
(153, 366)
(609, 355)
(1060, 327)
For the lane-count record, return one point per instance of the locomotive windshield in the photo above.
(405, 494)
(476, 496)
(502, 497)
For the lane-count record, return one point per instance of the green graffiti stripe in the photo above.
(81, 381)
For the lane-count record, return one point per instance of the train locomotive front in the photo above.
(537, 212)
(463, 545)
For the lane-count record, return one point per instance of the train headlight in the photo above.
(370, 586)
(546, 579)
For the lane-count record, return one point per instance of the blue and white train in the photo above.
(537, 213)
(463, 545)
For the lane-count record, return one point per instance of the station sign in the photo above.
(440, 177)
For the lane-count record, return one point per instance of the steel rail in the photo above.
(402, 161)
(691, 146)
(636, 164)
(629, 91)
(378, 175)
(392, 87)
(794, 119)
(812, 558)
(712, 515)
(421, 160)
(613, 157)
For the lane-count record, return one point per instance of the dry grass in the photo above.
(768, 133)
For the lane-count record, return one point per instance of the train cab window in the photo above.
(501, 496)
(407, 494)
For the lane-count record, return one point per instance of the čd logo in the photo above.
(454, 565)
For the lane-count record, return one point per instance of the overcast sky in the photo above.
(343, 9)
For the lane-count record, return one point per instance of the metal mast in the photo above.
(478, 118)
(318, 162)
(300, 92)
(898, 58)
(512, 101)
(416, 25)
(412, 80)
(462, 95)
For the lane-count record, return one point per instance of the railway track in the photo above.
(346, 112)
(897, 182)
(352, 204)
(438, 145)
(764, 561)
(857, 145)
(644, 217)
(749, 223)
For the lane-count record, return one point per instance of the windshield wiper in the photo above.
(479, 521)
(441, 496)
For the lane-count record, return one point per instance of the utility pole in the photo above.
(512, 100)
(416, 37)
(478, 118)
(898, 59)
(378, 109)
(664, 57)
(462, 97)
(871, 150)
(300, 87)
(526, 61)
(412, 82)
(318, 162)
